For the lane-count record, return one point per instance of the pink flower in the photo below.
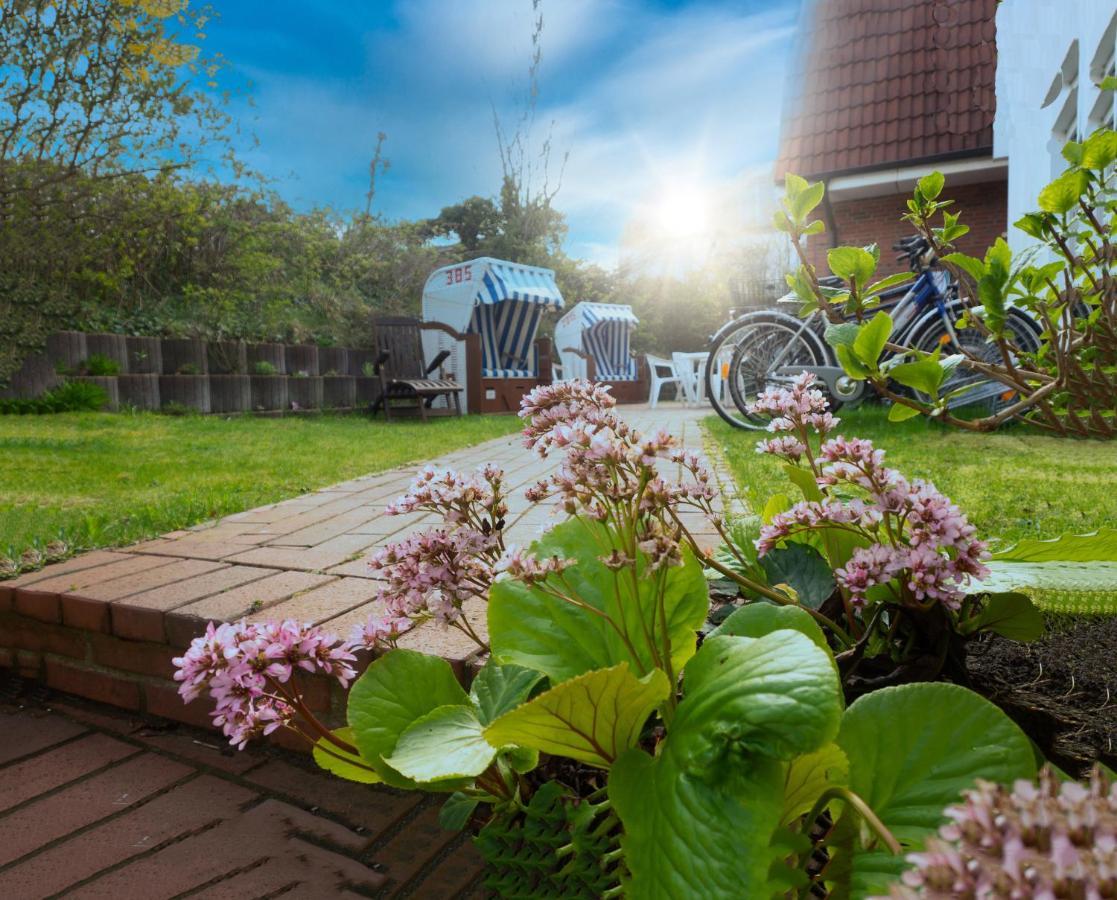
(868, 566)
(379, 631)
(796, 408)
(530, 569)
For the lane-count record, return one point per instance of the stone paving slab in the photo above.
(101, 804)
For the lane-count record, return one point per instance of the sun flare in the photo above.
(683, 212)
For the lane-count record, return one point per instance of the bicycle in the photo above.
(768, 347)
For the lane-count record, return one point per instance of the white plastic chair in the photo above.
(660, 372)
(691, 369)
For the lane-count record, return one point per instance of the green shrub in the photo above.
(99, 364)
(263, 367)
(188, 369)
(70, 396)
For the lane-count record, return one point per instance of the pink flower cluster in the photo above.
(549, 410)
(1054, 839)
(914, 534)
(245, 667)
(455, 496)
(433, 573)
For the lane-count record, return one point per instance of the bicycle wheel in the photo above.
(741, 362)
(986, 397)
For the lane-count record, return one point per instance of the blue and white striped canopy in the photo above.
(601, 330)
(502, 282)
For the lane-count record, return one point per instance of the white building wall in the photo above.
(1051, 55)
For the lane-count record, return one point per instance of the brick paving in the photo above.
(89, 807)
(96, 802)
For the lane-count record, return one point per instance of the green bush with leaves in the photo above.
(1064, 285)
(70, 396)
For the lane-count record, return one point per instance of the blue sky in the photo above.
(642, 93)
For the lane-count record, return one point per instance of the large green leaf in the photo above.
(750, 704)
(499, 689)
(395, 691)
(350, 766)
(447, 742)
(803, 569)
(1074, 573)
(685, 836)
(912, 750)
(755, 620)
(529, 627)
(1062, 194)
(925, 375)
(777, 695)
(592, 718)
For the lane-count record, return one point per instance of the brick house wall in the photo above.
(863, 221)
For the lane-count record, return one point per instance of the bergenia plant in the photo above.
(907, 565)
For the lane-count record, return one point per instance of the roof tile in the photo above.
(882, 82)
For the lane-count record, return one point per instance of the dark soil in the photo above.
(1061, 690)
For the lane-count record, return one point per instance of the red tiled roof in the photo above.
(887, 82)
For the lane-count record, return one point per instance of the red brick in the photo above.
(142, 658)
(310, 560)
(49, 770)
(86, 802)
(373, 809)
(74, 564)
(184, 809)
(22, 633)
(322, 603)
(188, 621)
(409, 850)
(40, 600)
(163, 700)
(208, 750)
(140, 617)
(451, 877)
(93, 685)
(29, 664)
(22, 733)
(7, 659)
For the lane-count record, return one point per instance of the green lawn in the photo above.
(99, 480)
(1014, 483)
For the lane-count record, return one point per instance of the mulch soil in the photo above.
(1061, 690)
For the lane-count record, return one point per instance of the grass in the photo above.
(1012, 484)
(100, 480)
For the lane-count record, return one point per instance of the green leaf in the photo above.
(851, 365)
(1072, 152)
(897, 412)
(1062, 194)
(842, 335)
(871, 338)
(931, 185)
(804, 480)
(529, 627)
(971, 265)
(890, 281)
(457, 811)
(350, 766)
(448, 742)
(776, 696)
(808, 776)
(851, 263)
(1100, 545)
(912, 750)
(802, 568)
(775, 505)
(924, 375)
(498, 689)
(395, 691)
(749, 704)
(802, 199)
(815, 227)
(1109, 83)
(755, 620)
(1010, 615)
(1099, 150)
(592, 718)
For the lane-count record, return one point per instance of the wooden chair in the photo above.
(402, 371)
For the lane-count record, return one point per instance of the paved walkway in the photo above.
(95, 803)
(303, 558)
